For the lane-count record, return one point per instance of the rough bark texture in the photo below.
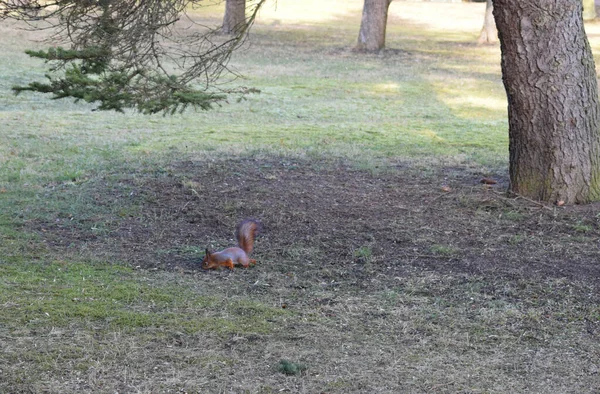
(550, 80)
(489, 33)
(371, 36)
(235, 16)
(589, 10)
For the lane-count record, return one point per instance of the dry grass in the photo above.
(378, 283)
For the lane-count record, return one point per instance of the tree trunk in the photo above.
(235, 16)
(589, 10)
(371, 37)
(489, 33)
(550, 80)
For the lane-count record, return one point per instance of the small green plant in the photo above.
(443, 250)
(511, 215)
(364, 254)
(515, 239)
(582, 228)
(290, 368)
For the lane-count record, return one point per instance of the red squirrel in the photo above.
(245, 233)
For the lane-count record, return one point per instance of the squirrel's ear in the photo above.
(207, 252)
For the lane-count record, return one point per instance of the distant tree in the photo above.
(371, 37)
(553, 112)
(589, 10)
(489, 33)
(235, 16)
(144, 54)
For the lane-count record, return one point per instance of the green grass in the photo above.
(420, 104)
(61, 293)
(443, 250)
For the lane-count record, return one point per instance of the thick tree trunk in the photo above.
(235, 16)
(489, 33)
(371, 36)
(589, 10)
(550, 81)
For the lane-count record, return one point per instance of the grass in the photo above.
(65, 293)
(103, 215)
(313, 99)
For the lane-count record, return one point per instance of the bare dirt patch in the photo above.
(319, 215)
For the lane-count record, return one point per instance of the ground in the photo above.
(385, 265)
(418, 280)
(447, 219)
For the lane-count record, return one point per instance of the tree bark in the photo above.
(550, 80)
(235, 16)
(489, 33)
(371, 37)
(589, 10)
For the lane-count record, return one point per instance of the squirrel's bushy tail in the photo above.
(245, 233)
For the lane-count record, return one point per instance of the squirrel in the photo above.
(245, 233)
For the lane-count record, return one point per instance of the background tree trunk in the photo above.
(550, 80)
(589, 10)
(371, 36)
(235, 16)
(489, 33)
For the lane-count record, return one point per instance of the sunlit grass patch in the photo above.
(63, 293)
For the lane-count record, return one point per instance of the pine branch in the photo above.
(131, 54)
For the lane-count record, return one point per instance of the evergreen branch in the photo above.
(128, 54)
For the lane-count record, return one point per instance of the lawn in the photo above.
(384, 264)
